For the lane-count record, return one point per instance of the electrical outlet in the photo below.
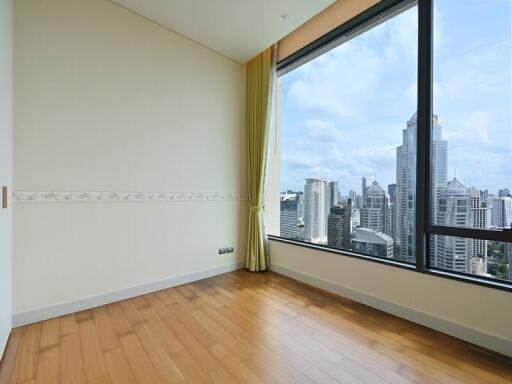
(230, 249)
(222, 251)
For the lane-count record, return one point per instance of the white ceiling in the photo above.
(238, 29)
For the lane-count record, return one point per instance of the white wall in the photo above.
(106, 100)
(5, 167)
(478, 314)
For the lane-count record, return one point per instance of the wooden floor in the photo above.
(242, 328)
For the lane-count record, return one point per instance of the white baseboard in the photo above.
(475, 336)
(40, 314)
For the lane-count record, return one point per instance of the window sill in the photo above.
(323, 248)
(460, 277)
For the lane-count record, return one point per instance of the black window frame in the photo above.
(380, 12)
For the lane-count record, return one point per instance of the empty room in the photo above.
(256, 191)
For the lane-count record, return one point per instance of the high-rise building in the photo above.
(392, 215)
(333, 194)
(484, 195)
(363, 186)
(406, 183)
(505, 192)
(352, 195)
(316, 208)
(338, 227)
(480, 218)
(392, 192)
(453, 209)
(355, 219)
(300, 204)
(359, 202)
(439, 158)
(370, 242)
(501, 212)
(289, 218)
(374, 213)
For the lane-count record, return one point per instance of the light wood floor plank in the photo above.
(8, 363)
(119, 367)
(28, 354)
(72, 366)
(106, 332)
(139, 360)
(68, 325)
(93, 357)
(48, 366)
(131, 312)
(161, 360)
(50, 333)
(119, 321)
(241, 328)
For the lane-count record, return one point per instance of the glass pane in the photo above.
(472, 130)
(348, 144)
(484, 258)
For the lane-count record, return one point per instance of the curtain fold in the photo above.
(260, 77)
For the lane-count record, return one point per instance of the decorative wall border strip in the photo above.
(73, 197)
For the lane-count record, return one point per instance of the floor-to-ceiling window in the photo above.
(396, 138)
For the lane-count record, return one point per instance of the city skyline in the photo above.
(327, 129)
(380, 220)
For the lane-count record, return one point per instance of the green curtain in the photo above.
(259, 87)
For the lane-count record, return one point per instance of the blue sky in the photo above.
(342, 114)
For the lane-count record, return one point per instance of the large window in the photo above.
(471, 157)
(348, 147)
(388, 156)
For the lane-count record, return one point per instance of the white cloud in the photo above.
(318, 90)
(349, 80)
(474, 129)
(320, 131)
(346, 109)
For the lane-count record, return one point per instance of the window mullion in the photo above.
(423, 140)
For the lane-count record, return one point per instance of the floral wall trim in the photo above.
(62, 197)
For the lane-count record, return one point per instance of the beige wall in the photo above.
(106, 100)
(331, 17)
(5, 167)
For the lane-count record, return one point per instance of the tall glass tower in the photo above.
(406, 184)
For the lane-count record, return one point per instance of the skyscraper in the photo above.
(352, 195)
(453, 209)
(289, 218)
(502, 212)
(484, 195)
(338, 227)
(439, 159)
(316, 208)
(333, 194)
(406, 183)
(392, 214)
(480, 218)
(375, 209)
(505, 192)
(300, 204)
(392, 192)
